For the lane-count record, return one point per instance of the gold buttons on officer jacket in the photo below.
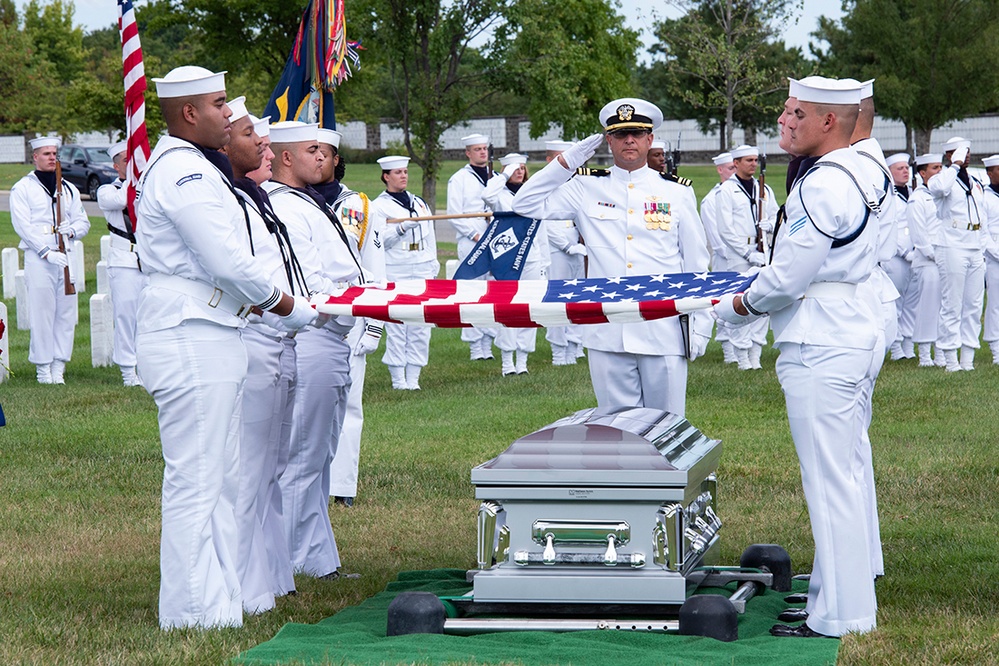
(630, 211)
(631, 186)
(629, 264)
(630, 237)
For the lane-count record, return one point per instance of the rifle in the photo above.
(70, 289)
(761, 245)
(675, 157)
(492, 156)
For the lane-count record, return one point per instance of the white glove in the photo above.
(959, 156)
(581, 151)
(725, 310)
(368, 342)
(66, 231)
(408, 225)
(57, 258)
(930, 256)
(698, 345)
(577, 250)
(757, 259)
(509, 170)
(302, 314)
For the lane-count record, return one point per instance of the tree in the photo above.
(55, 38)
(720, 58)
(26, 79)
(933, 60)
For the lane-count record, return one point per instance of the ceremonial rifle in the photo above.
(675, 157)
(69, 289)
(760, 241)
(492, 156)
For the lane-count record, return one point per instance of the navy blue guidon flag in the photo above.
(535, 303)
(502, 250)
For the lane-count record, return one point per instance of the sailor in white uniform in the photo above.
(203, 282)
(826, 336)
(899, 267)
(745, 215)
(410, 254)
(52, 313)
(464, 195)
(634, 221)
(567, 255)
(924, 228)
(124, 276)
(960, 200)
(517, 343)
(725, 167)
(991, 237)
(324, 250)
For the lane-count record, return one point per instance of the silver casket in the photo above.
(601, 507)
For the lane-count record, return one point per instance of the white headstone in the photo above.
(101, 330)
(21, 289)
(103, 286)
(105, 246)
(79, 267)
(450, 266)
(10, 260)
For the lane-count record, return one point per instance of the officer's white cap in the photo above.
(745, 151)
(991, 161)
(293, 131)
(630, 113)
(929, 158)
(558, 146)
(330, 137)
(955, 143)
(661, 145)
(189, 80)
(513, 158)
(117, 149)
(866, 87)
(896, 158)
(238, 108)
(262, 126)
(822, 90)
(390, 162)
(45, 142)
(474, 140)
(722, 158)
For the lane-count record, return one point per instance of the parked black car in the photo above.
(87, 168)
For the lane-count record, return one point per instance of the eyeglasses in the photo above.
(625, 133)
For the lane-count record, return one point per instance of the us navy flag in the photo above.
(502, 249)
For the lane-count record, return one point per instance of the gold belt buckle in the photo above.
(216, 298)
(413, 247)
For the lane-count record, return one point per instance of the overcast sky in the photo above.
(92, 14)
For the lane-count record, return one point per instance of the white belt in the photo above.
(201, 291)
(845, 290)
(120, 243)
(965, 226)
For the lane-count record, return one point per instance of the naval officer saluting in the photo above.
(634, 221)
(203, 281)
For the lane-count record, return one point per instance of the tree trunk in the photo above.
(729, 124)
(750, 135)
(923, 140)
(722, 137)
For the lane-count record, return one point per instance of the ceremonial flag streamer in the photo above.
(320, 61)
(134, 74)
(534, 303)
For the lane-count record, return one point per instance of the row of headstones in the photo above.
(101, 313)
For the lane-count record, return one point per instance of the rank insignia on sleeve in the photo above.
(586, 171)
(188, 178)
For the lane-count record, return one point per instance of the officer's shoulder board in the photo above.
(586, 171)
(677, 179)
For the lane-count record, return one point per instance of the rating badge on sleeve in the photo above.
(657, 216)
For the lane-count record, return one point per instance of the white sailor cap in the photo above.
(262, 126)
(722, 158)
(630, 113)
(896, 158)
(513, 158)
(991, 161)
(745, 151)
(661, 145)
(45, 142)
(822, 90)
(238, 108)
(474, 140)
(866, 87)
(117, 149)
(929, 158)
(293, 131)
(390, 162)
(558, 146)
(189, 80)
(330, 137)
(956, 142)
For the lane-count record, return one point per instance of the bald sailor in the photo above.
(634, 221)
(33, 206)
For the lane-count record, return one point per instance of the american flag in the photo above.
(534, 303)
(134, 75)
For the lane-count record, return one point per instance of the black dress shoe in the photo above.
(344, 501)
(793, 615)
(801, 631)
(796, 598)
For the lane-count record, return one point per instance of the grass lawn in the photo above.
(81, 470)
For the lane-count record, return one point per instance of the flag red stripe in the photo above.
(657, 309)
(585, 313)
(514, 315)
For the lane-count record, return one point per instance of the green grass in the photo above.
(80, 472)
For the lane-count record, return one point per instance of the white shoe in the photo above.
(507, 367)
(728, 352)
(521, 364)
(575, 351)
(128, 376)
(938, 357)
(44, 373)
(755, 352)
(925, 357)
(398, 375)
(742, 358)
(413, 377)
(908, 348)
(58, 372)
(950, 359)
(559, 353)
(487, 347)
(967, 358)
(896, 351)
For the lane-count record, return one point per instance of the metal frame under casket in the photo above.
(601, 507)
